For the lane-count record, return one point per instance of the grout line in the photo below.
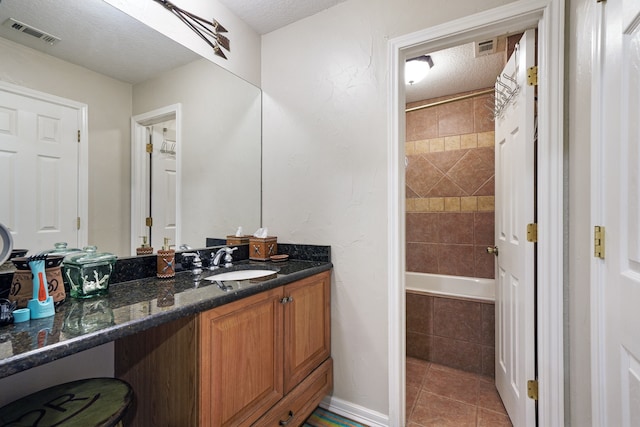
(478, 378)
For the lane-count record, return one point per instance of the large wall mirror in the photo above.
(137, 84)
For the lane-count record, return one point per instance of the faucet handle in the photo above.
(197, 262)
(228, 259)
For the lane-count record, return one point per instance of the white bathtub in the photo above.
(451, 286)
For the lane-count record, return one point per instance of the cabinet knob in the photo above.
(286, 300)
(288, 420)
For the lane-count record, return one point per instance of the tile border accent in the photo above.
(451, 204)
(450, 143)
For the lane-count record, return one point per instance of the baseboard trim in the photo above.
(355, 412)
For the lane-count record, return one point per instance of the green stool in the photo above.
(84, 403)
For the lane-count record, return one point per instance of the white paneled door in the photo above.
(163, 184)
(515, 207)
(617, 386)
(39, 154)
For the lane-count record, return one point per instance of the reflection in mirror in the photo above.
(217, 178)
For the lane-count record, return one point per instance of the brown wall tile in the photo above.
(419, 345)
(445, 187)
(455, 118)
(453, 174)
(422, 227)
(421, 175)
(419, 313)
(483, 117)
(456, 227)
(488, 336)
(422, 257)
(410, 194)
(421, 124)
(484, 262)
(456, 260)
(449, 326)
(472, 171)
(488, 361)
(488, 188)
(458, 319)
(444, 160)
(457, 354)
(484, 228)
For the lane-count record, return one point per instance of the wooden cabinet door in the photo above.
(241, 360)
(307, 327)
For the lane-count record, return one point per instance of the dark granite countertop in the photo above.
(131, 307)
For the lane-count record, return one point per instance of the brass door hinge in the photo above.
(149, 148)
(532, 232)
(598, 241)
(78, 135)
(78, 223)
(532, 76)
(532, 389)
(149, 221)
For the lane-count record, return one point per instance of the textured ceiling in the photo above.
(265, 16)
(99, 32)
(94, 35)
(457, 70)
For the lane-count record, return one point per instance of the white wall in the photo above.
(220, 153)
(324, 157)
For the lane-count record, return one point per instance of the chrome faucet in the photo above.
(197, 262)
(228, 259)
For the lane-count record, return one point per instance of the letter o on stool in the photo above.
(86, 403)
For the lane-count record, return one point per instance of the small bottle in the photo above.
(145, 248)
(166, 261)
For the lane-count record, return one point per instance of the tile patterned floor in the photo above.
(438, 396)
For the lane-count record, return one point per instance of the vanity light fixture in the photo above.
(209, 31)
(416, 69)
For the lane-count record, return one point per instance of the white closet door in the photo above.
(38, 170)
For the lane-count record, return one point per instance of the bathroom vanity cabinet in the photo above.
(263, 360)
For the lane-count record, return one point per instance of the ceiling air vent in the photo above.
(486, 47)
(34, 32)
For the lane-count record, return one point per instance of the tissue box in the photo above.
(261, 249)
(237, 240)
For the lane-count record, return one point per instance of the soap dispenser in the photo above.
(145, 248)
(166, 261)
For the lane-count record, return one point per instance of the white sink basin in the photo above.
(241, 275)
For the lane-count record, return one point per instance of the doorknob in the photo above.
(492, 250)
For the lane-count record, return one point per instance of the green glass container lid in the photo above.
(89, 256)
(61, 248)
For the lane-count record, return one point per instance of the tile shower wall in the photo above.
(450, 188)
(452, 332)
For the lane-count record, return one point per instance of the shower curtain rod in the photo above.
(446, 101)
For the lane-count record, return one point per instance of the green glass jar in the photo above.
(88, 272)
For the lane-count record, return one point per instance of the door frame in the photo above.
(548, 17)
(83, 148)
(139, 173)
